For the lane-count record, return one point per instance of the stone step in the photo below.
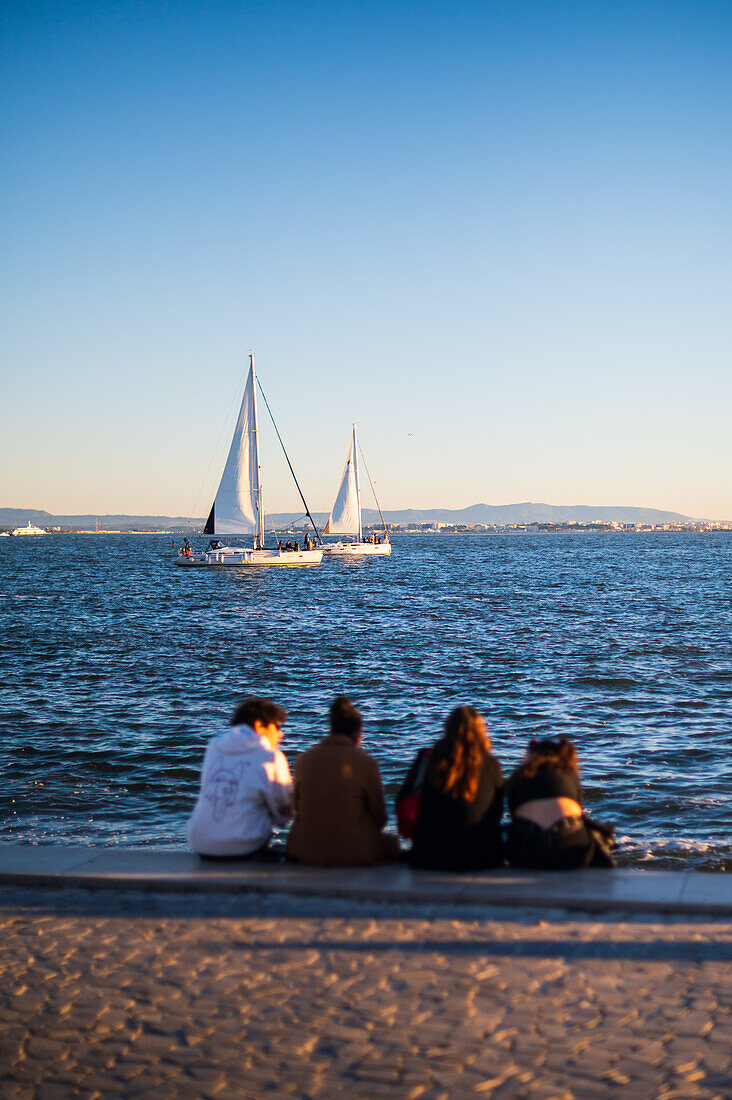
(594, 890)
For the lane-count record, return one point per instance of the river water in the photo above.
(117, 668)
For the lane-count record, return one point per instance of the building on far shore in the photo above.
(567, 525)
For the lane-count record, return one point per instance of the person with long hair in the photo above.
(458, 827)
(549, 829)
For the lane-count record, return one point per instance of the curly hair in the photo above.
(457, 758)
(554, 756)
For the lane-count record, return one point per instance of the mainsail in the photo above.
(345, 518)
(237, 507)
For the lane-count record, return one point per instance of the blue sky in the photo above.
(496, 235)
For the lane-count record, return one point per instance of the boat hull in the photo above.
(236, 556)
(358, 550)
(29, 530)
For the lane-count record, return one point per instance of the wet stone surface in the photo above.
(128, 994)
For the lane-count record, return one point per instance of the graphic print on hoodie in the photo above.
(222, 787)
(245, 790)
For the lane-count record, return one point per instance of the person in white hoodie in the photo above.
(246, 786)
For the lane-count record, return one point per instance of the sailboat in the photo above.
(238, 509)
(345, 517)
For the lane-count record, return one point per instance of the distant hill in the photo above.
(476, 513)
(15, 517)
(531, 513)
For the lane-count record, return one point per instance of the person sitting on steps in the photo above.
(339, 800)
(458, 826)
(548, 828)
(246, 786)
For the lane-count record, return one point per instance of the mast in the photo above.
(259, 533)
(358, 486)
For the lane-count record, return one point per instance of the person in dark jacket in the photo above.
(549, 829)
(339, 800)
(459, 823)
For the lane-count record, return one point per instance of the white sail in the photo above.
(345, 518)
(237, 507)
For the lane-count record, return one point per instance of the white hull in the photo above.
(29, 530)
(241, 556)
(357, 549)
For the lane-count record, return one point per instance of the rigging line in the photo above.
(373, 490)
(297, 483)
(280, 531)
(239, 389)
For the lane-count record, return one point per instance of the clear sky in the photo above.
(497, 235)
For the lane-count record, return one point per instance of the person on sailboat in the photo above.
(339, 799)
(280, 545)
(246, 786)
(306, 541)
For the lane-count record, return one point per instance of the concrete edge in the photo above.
(423, 893)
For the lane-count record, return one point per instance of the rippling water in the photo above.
(117, 668)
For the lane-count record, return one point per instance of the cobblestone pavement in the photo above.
(105, 994)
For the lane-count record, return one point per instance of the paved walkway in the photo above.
(678, 892)
(109, 993)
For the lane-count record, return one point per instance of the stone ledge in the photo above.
(595, 891)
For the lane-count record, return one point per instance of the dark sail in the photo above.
(210, 528)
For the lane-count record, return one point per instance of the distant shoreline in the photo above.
(475, 516)
(397, 531)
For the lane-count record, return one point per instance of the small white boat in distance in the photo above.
(237, 509)
(29, 529)
(345, 518)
